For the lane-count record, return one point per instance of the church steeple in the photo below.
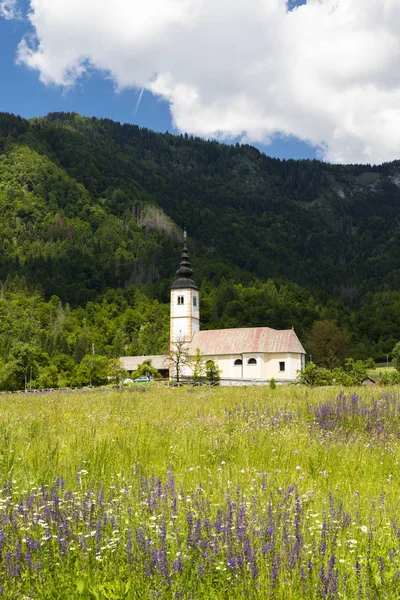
(185, 301)
(185, 271)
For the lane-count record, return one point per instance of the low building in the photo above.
(368, 381)
(158, 361)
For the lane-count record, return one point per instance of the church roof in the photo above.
(185, 271)
(216, 342)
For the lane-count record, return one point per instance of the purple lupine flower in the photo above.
(9, 564)
(285, 532)
(174, 506)
(218, 522)
(276, 561)
(251, 558)
(357, 567)
(129, 546)
(189, 520)
(197, 533)
(241, 522)
(98, 536)
(177, 566)
(162, 558)
(28, 559)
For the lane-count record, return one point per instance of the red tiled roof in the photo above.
(217, 342)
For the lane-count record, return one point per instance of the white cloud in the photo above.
(326, 72)
(8, 9)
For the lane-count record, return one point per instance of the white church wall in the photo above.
(184, 313)
(266, 367)
(195, 304)
(181, 309)
(180, 329)
(253, 370)
(292, 363)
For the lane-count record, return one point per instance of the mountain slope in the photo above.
(335, 228)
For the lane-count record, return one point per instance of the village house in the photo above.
(245, 356)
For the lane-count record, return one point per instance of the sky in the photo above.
(296, 78)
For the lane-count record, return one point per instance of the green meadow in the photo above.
(201, 493)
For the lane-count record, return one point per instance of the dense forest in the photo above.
(90, 236)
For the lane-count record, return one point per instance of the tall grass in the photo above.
(201, 493)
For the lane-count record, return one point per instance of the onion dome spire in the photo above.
(185, 271)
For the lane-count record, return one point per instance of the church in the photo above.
(244, 356)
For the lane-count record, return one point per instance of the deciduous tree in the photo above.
(328, 344)
(178, 359)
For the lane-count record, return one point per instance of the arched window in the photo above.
(238, 362)
(181, 299)
(252, 361)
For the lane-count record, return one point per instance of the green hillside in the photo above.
(92, 211)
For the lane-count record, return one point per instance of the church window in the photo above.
(238, 361)
(194, 300)
(282, 366)
(252, 361)
(181, 299)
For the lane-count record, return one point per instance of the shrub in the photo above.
(213, 372)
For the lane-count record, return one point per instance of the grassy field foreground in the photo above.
(201, 493)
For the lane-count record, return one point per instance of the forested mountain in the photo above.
(90, 206)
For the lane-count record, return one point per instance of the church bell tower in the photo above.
(185, 306)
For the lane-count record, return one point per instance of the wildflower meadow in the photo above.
(201, 493)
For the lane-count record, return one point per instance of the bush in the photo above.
(213, 372)
(389, 378)
(353, 373)
(92, 370)
(314, 375)
(48, 378)
(396, 356)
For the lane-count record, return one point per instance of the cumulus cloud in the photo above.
(325, 72)
(8, 9)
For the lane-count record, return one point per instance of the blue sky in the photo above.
(24, 94)
(324, 72)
